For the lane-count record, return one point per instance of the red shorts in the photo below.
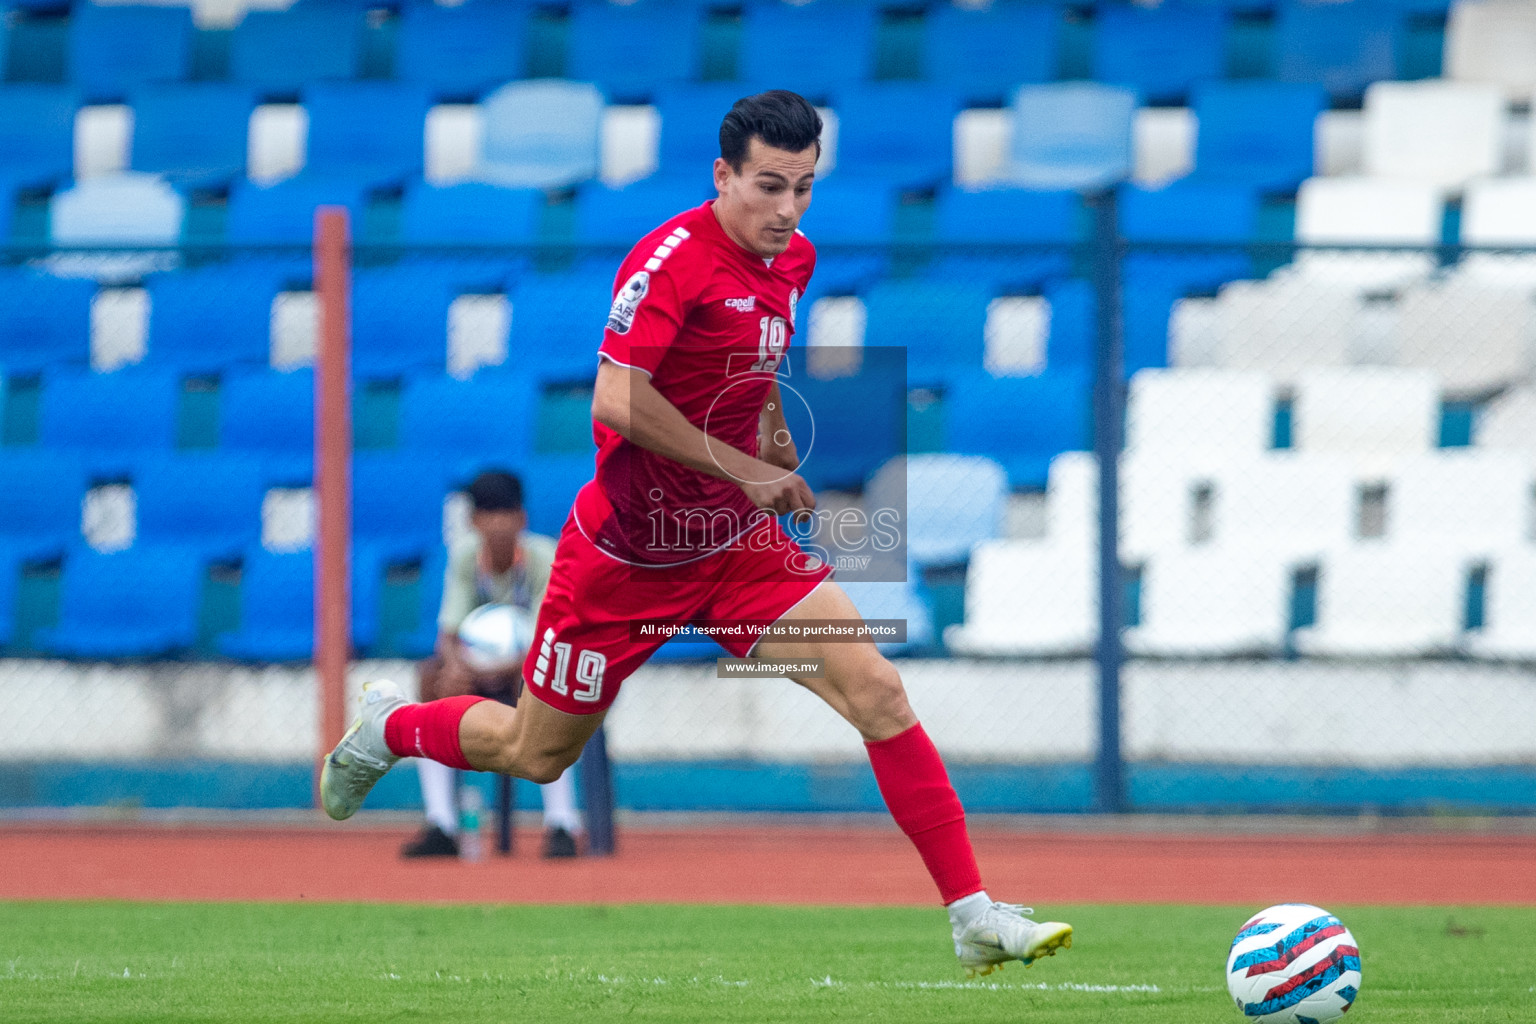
(589, 636)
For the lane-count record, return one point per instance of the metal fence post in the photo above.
(1108, 439)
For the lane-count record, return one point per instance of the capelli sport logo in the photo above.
(745, 305)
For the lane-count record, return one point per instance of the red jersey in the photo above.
(709, 322)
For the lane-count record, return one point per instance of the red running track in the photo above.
(798, 865)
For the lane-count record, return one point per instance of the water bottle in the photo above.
(471, 842)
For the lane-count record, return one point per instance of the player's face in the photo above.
(499, 530)
(761, 205)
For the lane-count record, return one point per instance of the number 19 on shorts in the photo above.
(590, 666)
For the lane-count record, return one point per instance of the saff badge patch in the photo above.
(621, 317)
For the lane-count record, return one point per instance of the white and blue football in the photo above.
(1294, 964)
(496, 637)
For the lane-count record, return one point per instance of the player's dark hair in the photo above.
(496, 490)
(782, 119)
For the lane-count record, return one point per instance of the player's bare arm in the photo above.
(775, 446)
(625, 401)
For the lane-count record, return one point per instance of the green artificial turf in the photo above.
(104, 962)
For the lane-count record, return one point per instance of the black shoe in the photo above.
(559, 843)
(431, 841)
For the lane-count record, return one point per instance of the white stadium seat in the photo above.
(1296, 504)
(1213, 600)
(1508, 422)
(1493, 41)
(1286, 324)
(1366, 211)
(1442, 133)
(1500, 212)
(1199, 413)
(1509, 617)
(1028, 597)
(1473, 333)
(1463, 500)
(1372, 416)
(1388, 600)
(952, 502)
(1038, 596)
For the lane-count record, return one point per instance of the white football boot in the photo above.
(1003, 932)
(362, 757)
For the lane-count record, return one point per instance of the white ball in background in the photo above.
(496, 637)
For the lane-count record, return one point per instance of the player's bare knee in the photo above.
(879, 698)
(544, 766)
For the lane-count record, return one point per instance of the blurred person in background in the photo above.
(498, 561)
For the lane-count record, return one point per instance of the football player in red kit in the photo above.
(694, 464)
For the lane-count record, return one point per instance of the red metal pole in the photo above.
(333, 480)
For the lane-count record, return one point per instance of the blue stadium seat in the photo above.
(848, 211)
(277, 606)
(37, 133)
(212, 318)
(471, 213)
(540, 134)
(901, 133)
(1256, 133)
(114, 49)
(939, 529)
(847, 217)
(40, 516)
(1011, 239)
(465, 423)
(421, 641)
(129, 209)
(985, 53)
(939, 324)
(195, 135)
(399, 321)
(113, 420)
(1342, 47)
(893, 600)
(630, 50)
(280, 52)
(460, 52)
(370, 132)
(1158, 52)
(1073, 325)
(210, 503)
(1071, 135)
(1190, 210)
(397, 504)
(622, 216)
(271, 414)
(846, 427)
(284, 213)
(1146, 305)
(690, 123)
(1022, 422)
(814, 49)
(557, 324)
(137, 603)
(690, 645)
(44, 321)
(10, 565)
(550, 483)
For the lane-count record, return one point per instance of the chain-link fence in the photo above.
(1326, 498)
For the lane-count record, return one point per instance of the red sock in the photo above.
(916, 788)
(430, 730)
